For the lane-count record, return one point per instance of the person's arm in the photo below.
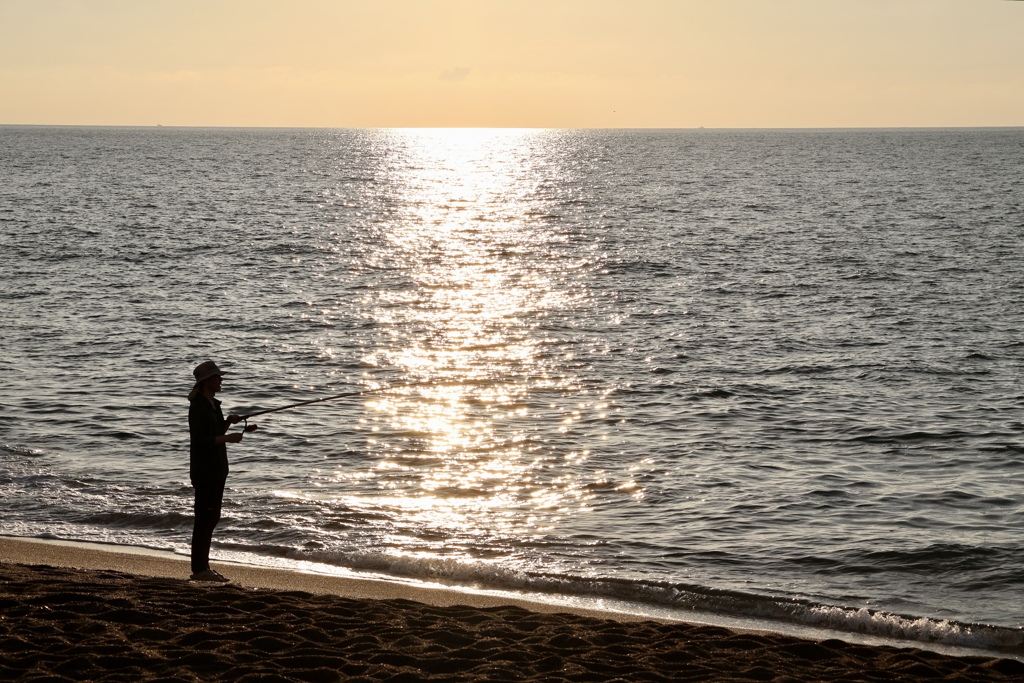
(234, 437)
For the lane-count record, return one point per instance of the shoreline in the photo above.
(319, 579)
(72, 612)
(162, 564)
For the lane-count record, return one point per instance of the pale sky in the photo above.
(513, 63)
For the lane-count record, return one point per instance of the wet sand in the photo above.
(82, 614)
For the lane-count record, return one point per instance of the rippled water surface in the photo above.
(770, 373)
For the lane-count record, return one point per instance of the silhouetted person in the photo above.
(208, 463)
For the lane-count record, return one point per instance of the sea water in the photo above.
(755, 374)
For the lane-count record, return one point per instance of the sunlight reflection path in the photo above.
(474, 278)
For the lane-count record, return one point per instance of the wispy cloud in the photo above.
(456, 73)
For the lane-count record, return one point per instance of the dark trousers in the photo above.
(209, 496)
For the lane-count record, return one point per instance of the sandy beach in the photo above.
(72, 613)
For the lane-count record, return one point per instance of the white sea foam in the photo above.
(918, 629)
(22, 450)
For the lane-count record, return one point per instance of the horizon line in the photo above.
(507, 128)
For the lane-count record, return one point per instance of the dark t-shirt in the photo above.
(208, 462)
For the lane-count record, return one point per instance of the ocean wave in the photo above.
(911, 437)
(138, 520)
(21, 450)
(710, 393)
(684, 598)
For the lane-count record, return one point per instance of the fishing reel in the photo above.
(246, 427)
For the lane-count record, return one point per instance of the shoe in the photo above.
(210, 575)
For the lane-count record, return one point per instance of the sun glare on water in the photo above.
(468, 449)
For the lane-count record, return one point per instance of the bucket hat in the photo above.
(204, 371)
